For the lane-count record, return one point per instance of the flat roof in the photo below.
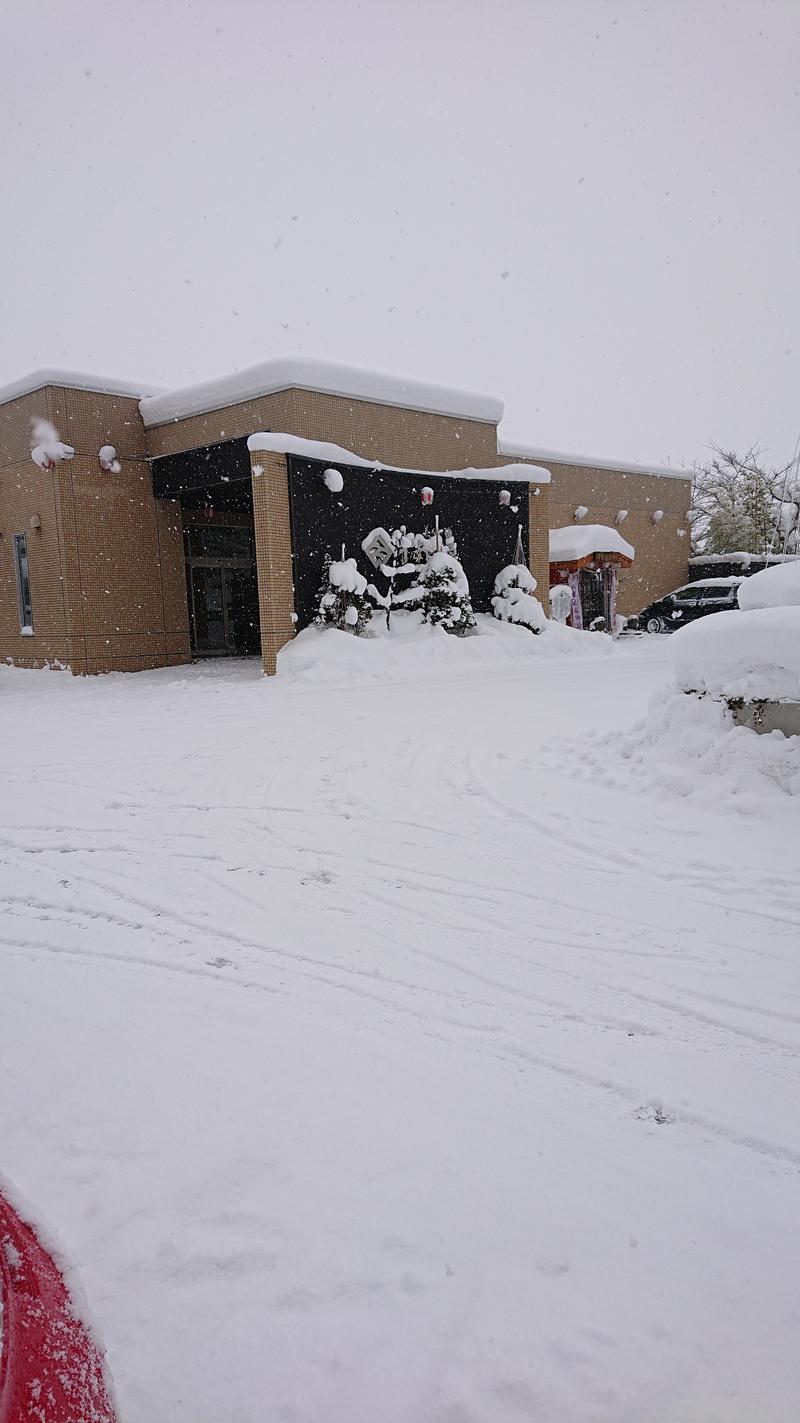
(74, 380)
(326, 377)
(532, 452)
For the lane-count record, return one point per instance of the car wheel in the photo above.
(656, 625)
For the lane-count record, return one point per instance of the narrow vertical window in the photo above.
(23, 584)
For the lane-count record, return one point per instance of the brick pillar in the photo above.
(539, 541)
(273, 554)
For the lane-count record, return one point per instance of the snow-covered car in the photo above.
(693, 600)
(751, 660)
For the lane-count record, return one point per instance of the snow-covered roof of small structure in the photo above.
(290, 372)
(74, 380)
(334, 454)
(510, 447)
(585, 540)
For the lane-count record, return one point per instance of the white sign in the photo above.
(378, 547)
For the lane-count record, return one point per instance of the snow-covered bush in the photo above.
(342, 601)
(445, 595)
(47, 446)
(514, 601)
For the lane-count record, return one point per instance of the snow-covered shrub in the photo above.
(47, 446)
(445, 595)
(514, 601)
(342, 601)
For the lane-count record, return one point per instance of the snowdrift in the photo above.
(690, 747)
(414, 650)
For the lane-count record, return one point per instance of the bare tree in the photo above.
(740, 505)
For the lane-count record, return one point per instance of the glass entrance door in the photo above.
(223, 591)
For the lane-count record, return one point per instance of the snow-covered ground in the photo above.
(374, 1057)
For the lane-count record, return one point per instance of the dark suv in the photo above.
(694, 600)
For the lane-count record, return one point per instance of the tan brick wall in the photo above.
(539, 541)
(273, 541)
(662, 550)
(408, 438)
(26, 491)
(107, 571)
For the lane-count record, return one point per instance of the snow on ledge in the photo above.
(74, 380)
(326, 377)
(581, 541)
(509, 447)
(334, 454)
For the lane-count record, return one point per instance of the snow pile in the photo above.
(571, 543)
(513, 600)
(753, 655)
(691, 747)
(345, 576)
(413, 649)
(776, 587)
(47, 446)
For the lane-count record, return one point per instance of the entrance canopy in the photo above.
(586, 545)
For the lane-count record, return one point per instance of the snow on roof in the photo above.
(289, 372)
(508, 447)
(74, 380)
(732, 582)
(335, 454)
(583, 540)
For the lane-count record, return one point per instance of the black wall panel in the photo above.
(485, 532)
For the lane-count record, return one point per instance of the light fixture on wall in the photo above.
(333, 481)
(505, 497)
(36, 522)
(426, 494)
(47, 447)
(107, 456)
(537, 491)
(580, 512)
(657, 515)
(622, 515)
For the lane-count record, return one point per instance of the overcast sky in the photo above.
(589, 209)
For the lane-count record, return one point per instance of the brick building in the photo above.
(178, 540)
